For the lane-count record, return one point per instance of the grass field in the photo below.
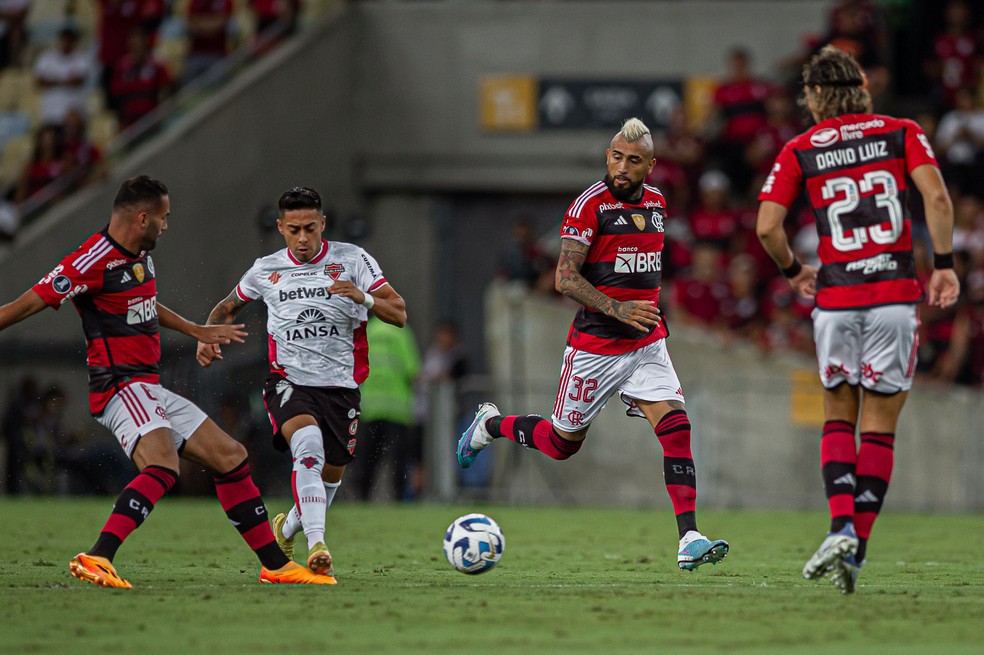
(571, 581)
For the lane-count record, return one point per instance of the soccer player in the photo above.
(611, 245)
(318, 296)
(855, 167)
(111, 281)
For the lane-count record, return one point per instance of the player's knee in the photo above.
(308, 449)
(563, 448)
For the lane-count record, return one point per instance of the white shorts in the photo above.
(873, 347)
(142, 407)
(588, 380)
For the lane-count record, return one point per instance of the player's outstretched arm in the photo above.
(386, 304)
(28, 304)
(770, 232)
(640, 314)
(204, 333)
(222, 314)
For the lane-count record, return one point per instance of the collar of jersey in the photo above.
(314, 260)
(123, 251)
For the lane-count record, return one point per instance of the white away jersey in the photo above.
(315, 339)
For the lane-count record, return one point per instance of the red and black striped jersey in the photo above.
(624, 262)
(854, 169)
(115, 293)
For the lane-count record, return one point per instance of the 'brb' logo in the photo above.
(638, 262)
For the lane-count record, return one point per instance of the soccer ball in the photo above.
(474, 543)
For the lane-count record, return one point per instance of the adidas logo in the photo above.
(126, 277)
(621, 221)
(847, 478)
(867, 497)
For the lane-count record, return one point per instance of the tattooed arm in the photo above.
(222, 314)
(640, 314)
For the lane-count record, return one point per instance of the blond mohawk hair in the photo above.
(633, 129)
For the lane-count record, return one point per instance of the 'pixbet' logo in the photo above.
(638, 262)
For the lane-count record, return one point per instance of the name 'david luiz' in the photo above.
(844, 156)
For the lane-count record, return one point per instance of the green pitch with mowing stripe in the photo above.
(571, 581)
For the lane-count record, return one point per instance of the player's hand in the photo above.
(805, 282)
(944, 287)
(222, 333)
(640, 314)
(346, 289)
(208, 353)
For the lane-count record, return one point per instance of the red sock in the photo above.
(244, 506)
(838, 457)
(132, 506)
(876, 458)
(679, 471)
(534, 432)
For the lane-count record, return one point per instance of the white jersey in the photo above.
(315, 339)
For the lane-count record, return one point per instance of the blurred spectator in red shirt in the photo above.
(713, 220)
(737, 115)
(208, 36)
(83, 158)
(140, 82)
(956, 57)
(788, 313)
(524, 260)
(117, 20)
(742, 308)
(46, 165)
(700, 291)
(964, 360)
(679, 152)
(274, 12)
(781, 125)
(13, 31)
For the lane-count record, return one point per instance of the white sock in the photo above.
(692, 535)
(307, 448)
(330, 489)
(293, 523)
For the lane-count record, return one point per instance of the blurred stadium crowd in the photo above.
(717, 276)
(74, 74)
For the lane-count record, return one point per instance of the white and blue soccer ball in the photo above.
(474, 543)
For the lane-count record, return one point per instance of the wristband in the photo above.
(942, 261)
(792, 270)
(369, 301)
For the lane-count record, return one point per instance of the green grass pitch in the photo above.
(571, 581)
